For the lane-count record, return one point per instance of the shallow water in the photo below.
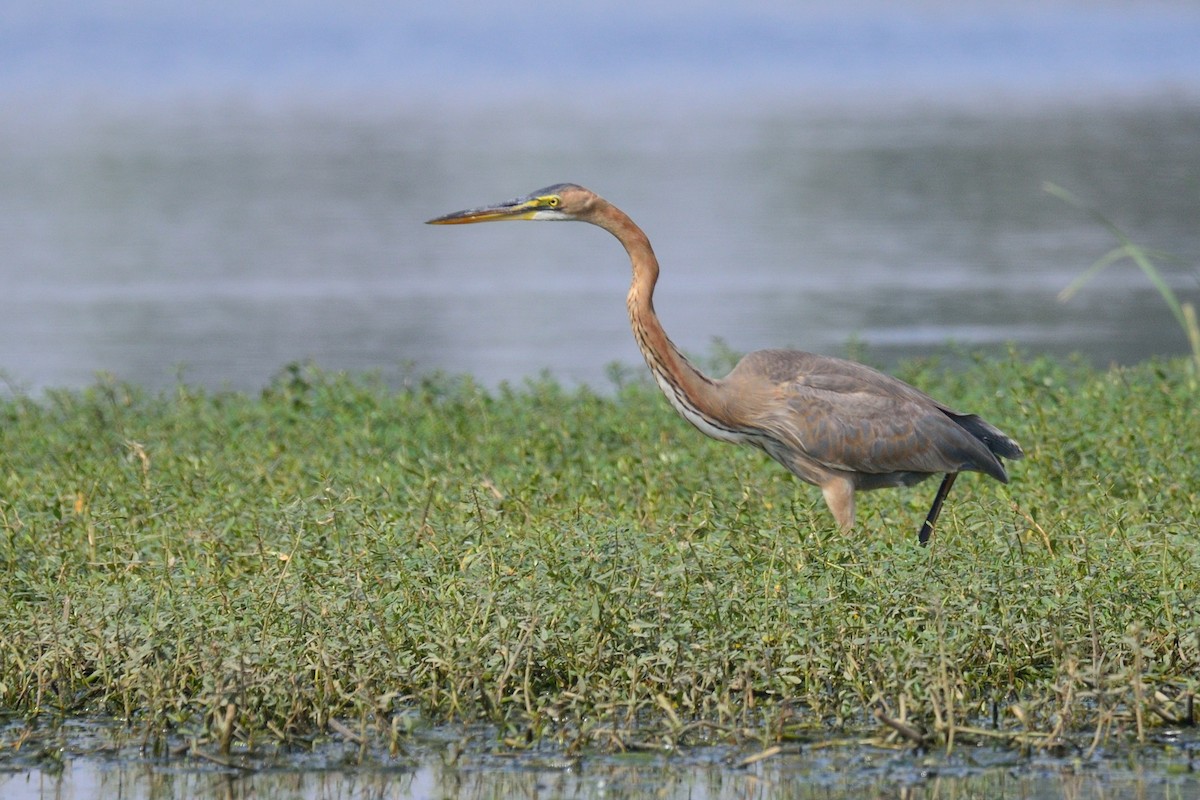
(216, 197)
(707, 774)
(87, 758)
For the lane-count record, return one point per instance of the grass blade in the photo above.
(1184, 313)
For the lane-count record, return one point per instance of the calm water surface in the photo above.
(442, 771)
(211, 196)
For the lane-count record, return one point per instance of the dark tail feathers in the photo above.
(995, 439)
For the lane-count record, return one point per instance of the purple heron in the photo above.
(833, 423)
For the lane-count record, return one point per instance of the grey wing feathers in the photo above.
(850, 417)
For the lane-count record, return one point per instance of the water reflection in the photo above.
(701, 775)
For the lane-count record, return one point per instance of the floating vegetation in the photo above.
(336, 557)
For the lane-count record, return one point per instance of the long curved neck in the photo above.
(693, 394)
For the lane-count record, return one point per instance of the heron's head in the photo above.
(562, 201)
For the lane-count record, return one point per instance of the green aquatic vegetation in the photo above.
(584, 567)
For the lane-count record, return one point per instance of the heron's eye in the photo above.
(552, 202)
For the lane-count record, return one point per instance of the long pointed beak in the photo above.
(522, 208)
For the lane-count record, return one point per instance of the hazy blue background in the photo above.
(217, 189)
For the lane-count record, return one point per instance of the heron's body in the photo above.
(833, 423)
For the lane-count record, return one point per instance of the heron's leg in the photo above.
(936, 508)
(839, 496)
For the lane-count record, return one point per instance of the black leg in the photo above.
(936, 509)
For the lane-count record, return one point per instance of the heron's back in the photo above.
(825, 414)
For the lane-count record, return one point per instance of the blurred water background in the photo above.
(209, 191)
